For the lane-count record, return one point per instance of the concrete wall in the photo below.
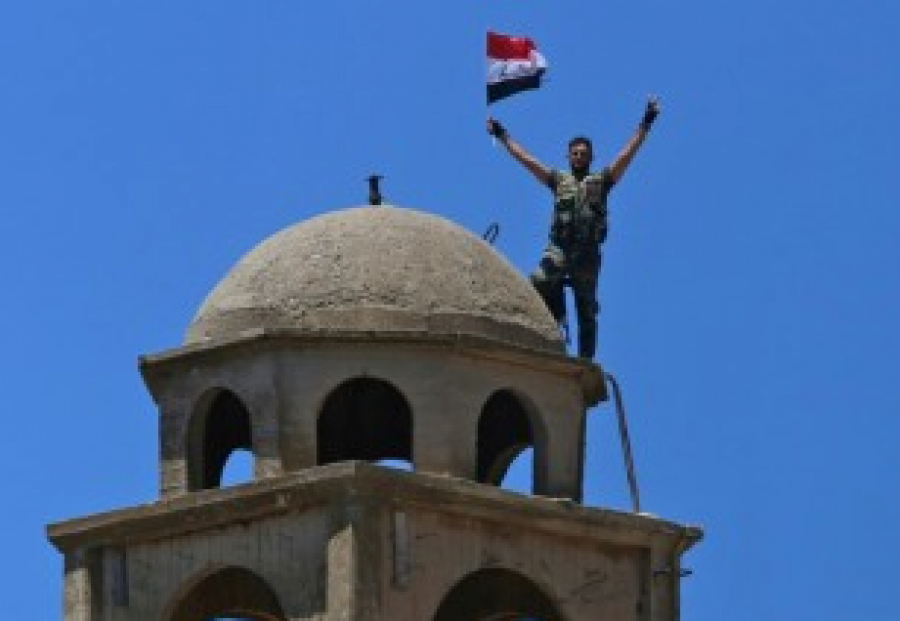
(291, 554)
(585, 579)
(284, 390)
(371, 563)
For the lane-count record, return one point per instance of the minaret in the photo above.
(359, 336)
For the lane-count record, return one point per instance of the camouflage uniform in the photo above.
(573, 254)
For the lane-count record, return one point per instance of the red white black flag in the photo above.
(513, 65)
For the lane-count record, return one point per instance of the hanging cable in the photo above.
(626, 444)
(492, 232)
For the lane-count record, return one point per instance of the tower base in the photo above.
(359, 541)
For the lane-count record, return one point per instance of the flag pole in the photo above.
(487, 103)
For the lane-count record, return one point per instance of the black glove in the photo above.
(650, 114)
(496, 129)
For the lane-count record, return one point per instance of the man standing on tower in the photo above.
(579, 223)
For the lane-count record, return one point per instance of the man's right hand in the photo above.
(495, 129)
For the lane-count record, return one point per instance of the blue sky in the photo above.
(749, 289)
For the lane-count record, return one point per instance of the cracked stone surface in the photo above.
(376, 268)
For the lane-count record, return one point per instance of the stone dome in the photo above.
(382, 269)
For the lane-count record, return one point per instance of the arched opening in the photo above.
(229, 593)
(505, 430)
(219, 426)
(496, 594)
(367, 419)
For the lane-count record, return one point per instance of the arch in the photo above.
(226, 592)
(496, 594)
(364, 418)
(508, 424)
(219, 425)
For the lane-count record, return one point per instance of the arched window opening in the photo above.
(365, 419)
(229, 593)
(504, 433)
(219, 426)
(496, 594)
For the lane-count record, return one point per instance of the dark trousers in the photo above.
(579, 268)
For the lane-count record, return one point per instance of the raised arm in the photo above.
(620, 164)
(541, 172)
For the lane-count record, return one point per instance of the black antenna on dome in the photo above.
(374, 191)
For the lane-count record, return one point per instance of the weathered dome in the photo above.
(383, 269)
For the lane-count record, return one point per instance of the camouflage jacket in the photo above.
(579, 208)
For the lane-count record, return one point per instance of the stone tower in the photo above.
(364, 335)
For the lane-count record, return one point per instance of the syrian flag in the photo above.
(513, 65)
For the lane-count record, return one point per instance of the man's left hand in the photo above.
(650, 113)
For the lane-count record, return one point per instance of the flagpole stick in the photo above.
(487, 102)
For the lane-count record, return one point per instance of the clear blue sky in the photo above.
(750, 285)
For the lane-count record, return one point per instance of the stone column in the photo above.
(82, 598)
(263, 403)
(302, 385)
(445, 432)
(174, 415)
(563, 414)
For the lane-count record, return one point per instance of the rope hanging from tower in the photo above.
(626, 444)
